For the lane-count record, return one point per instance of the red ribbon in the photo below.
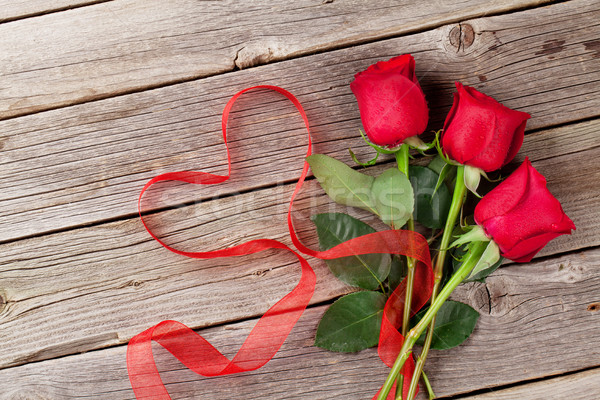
(274, 326)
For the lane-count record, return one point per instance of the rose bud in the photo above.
(480, 132)
(521, 215)
(391, 103)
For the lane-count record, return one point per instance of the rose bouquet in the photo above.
(404, 300)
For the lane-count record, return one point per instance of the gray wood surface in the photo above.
(87, 163)
(97, 99)
(581, 386)
(17, 9)
(535, 321)
(121, 46)
(66, 275)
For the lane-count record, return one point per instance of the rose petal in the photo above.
(391, 103)
(481, 132)
(521, 215)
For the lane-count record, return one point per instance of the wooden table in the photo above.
(97, 97)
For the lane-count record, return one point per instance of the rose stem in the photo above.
(402, 161)
(461, 274)
(457, 201)
(428, 386)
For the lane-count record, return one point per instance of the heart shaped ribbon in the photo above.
(274, 326)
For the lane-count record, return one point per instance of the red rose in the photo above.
(391, 103)
(481, 132)
(521, 215)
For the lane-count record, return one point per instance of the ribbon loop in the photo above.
(274, 326)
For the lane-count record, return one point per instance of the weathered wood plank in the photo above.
(87, 163)
(129, 45)
(17, 9)
(535, 322)
(66, 276)
(581, 386)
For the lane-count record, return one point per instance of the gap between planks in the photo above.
(83, 164)
(543, 306)
(173, 40)
(567, 386)
(14, 10)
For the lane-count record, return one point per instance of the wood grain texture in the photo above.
(18, 9)
(94, 287)
(118, 47)
(542, 306)
(580, 386)
(66, 276)
(87, 163)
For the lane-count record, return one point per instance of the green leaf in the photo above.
(437, 164)
(431, 206)
(393, 197)
(366, 271)
(352, 323)
(398, 271)
(454, 323)
(343, 184)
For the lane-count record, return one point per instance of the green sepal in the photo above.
(368, 163)
(459, 254)
(472, 178)
(475, 234)
(487, 264)
(438, 146)
(500, 178)
(379, 149)
(416, 143)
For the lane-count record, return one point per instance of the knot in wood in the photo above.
(258, 53)
(594, 307)
(2, 303)
(462, 36)
(261, 272)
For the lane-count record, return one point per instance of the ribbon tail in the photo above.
(143, 374)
